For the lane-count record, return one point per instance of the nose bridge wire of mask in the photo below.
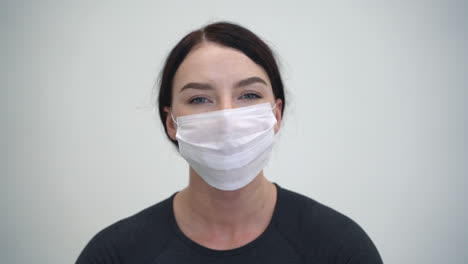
(177, 124)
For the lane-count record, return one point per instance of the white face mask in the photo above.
(227, 148)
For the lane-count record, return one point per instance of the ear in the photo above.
(278, 115)
(170, 125)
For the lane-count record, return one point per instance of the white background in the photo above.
(375, 125)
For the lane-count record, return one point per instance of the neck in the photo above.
(206, 209)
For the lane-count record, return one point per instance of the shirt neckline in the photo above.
(235, 251)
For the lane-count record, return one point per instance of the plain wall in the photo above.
(375, 125)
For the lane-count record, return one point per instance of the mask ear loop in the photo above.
(173, 119)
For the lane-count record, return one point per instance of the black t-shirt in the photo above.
(300, 231)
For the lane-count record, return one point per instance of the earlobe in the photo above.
(170, 126)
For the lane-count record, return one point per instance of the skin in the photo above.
(214, 77)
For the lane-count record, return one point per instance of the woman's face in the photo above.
(214, 77)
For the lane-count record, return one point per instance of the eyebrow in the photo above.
(198, 86)
(250, 81)
(207, 86)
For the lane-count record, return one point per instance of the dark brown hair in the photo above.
(226, 34)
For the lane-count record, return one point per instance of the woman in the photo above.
(221, 101)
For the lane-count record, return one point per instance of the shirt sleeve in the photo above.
(356, 247)
(102, 248)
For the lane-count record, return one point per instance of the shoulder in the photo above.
(137, 235)
(318, 231)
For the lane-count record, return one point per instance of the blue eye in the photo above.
(250, 96)
(199, 100)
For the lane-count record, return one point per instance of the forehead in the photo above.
(211, 62)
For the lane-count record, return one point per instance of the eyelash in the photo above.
(256, 96)
(197, 100)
